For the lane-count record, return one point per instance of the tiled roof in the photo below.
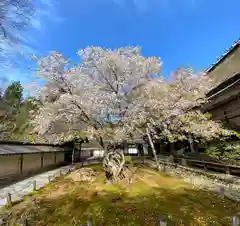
(26, 149)
(235, 45)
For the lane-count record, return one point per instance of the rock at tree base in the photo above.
(83, 174)
(127, 175)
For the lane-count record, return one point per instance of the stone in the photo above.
(83, 174)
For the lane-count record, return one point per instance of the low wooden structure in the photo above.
(18, 158)
(210, 166)
(224, 102)
(224, 99)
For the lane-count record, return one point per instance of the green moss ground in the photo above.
(151, 195)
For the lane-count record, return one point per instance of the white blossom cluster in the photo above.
(114, 93)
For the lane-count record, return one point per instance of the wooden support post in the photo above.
(73, 155)
(80, 152)
(205, 167)
(171, 148)
(21, 163)
(163, 168)
(235, 221)
(170, 159)
(184, 162)
(89, 221)
(162, 221)
(191, 180)
(25, 223)
(55, 157)
(9, 199)
(191, 143)
(34, 185)
(228, 171)
(42, 155)
(221, 192)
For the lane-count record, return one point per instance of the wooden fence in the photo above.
(209, 166)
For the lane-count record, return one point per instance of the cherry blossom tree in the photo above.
(169, 109)
(112, 94)
(94, 95)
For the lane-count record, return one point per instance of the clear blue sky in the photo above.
(181, 32)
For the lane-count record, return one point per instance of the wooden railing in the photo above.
(192, 163)
(209, 166)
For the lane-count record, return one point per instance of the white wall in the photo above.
(31, 162)
(48, 159)
(59, 157)
(10, 165)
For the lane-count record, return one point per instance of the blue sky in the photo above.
(181, 32)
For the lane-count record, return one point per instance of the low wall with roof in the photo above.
(19, 160)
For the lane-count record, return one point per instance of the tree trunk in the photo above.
(153, 148)
(101, 143)
(113, 164)
(108, 176)
(191, 143)
(140, 152)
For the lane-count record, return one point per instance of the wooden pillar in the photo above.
(171, 147)
(9, 199)
(160, 147)
(226, 118)
(21, 163)
(145, 149)
(157, 147)
(190, 140)
(73, 155)
(126, 148)
(80, 149)
(78, 159)
(42, 155)
(55, 157)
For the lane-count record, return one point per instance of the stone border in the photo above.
(207, 174)
(223, 186)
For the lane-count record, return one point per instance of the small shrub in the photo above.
(128, 159)
(228, 151)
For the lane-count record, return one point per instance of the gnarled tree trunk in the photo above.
(113, 164)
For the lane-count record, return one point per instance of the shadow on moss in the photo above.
(151, 195)
(115, 207)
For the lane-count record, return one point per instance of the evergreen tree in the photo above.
(13, 94)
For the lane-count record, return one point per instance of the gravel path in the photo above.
(22, 188)
(19, 189)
